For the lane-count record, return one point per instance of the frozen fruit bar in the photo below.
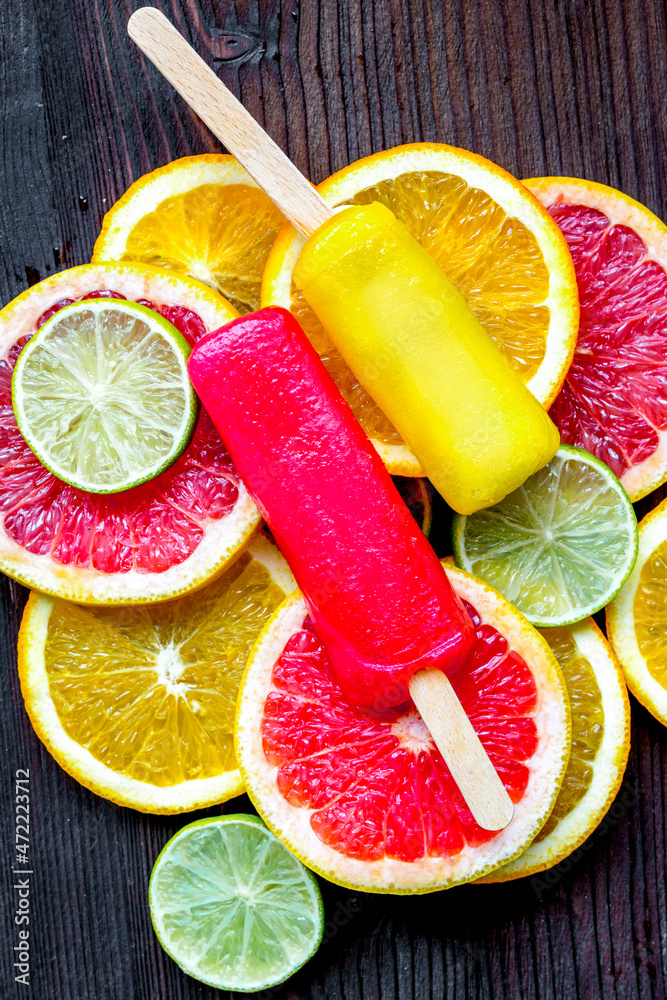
(378, 595)
(415, 345)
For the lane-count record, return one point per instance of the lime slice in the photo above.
(232, 906)
(560, 547)
(102, 396)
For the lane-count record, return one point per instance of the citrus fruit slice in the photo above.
(101, 394)
(137, 703)
(149, 543)
(614, 400)
(492, 239)
(560, 546)
(202, 216)
(232, 907)
(371, 804)
(637, 617)
(600, 747)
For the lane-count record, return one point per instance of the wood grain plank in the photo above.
(541, 86)
(26, 208)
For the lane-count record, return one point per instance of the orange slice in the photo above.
(203, 216)
(637, 617)
(491, 237)
(138, 704)
(600, 747)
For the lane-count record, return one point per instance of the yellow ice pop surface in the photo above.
(414, 344)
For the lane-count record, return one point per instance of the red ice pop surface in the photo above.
(379, 597)
(614, 400)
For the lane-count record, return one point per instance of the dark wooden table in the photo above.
(542, 87)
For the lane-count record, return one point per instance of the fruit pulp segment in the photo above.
(380, 788)
(493, 260)
(413, 342)
(614, 400)
(376, 590)
(587, 725)
(650, 613)
(219, 234)
(151, 691)
(148, 528)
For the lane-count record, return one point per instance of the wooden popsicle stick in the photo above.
(226, 117)
(462, 751)
(298, 200)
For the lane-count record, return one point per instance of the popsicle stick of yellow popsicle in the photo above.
(298, 200)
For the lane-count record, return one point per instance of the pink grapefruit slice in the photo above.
(614, 398)
(371, 804)
(151, 543)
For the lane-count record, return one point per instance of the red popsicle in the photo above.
(377, 593)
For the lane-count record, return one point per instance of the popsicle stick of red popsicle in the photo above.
(429, 688)
(226, 117)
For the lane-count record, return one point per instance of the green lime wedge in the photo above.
(232, 906)
(560, 547)
(102, 396)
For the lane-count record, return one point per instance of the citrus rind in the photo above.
(621, 620)
(608, 768)
(291, 825)
(78, 761)
(621, 210)
(193, 970)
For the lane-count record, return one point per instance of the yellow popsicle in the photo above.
(414, 344)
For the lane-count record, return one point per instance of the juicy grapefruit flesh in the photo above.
(614, 399)
(381, 788)
(146, 529)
